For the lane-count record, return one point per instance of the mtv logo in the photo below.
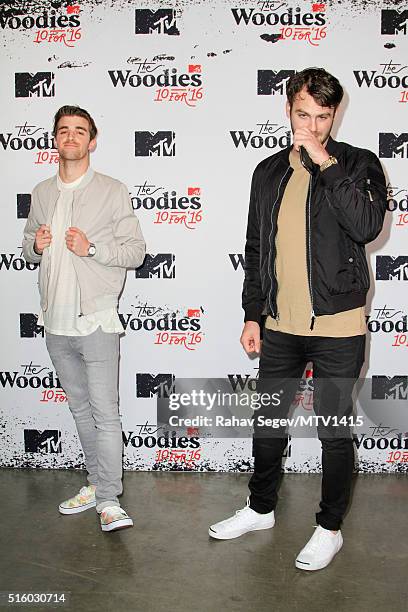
(192, 191)
(162, 265)
(47, 441)
(393, 387)
(150, 385)
(391, 268)
(194, 68)
(393, 145)
(193, 313)
(160, 144)
(162, 21)
(23, 205)
(39, 85)
(271, 82)
(237, 259)
(29, 327)
(393, 21)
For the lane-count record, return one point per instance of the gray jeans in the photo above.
(87, 367)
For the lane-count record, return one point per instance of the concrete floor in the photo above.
(167, 562)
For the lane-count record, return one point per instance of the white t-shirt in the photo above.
(63, 315)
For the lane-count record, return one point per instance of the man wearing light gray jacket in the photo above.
(83, 232)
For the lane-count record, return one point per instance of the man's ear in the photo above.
(92, 145)
(287, 109)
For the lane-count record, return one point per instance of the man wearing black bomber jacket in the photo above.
(313, 207)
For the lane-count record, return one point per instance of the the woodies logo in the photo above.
(169, 84)
(177, 452)
(266, 135)
(393, 145)
(160, 21)
(288, 23)
(376, 442)
(167, 205)
(30, 375)
(132, 438)
(155, 144)
(15, 262)
(30, 137)
(178, 328)
(390, 75)
(391, 321)
(34, 376)
(397, 203)
(53, 22)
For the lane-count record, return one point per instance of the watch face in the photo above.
(91, 250)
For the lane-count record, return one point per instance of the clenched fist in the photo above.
(251, 337)
(77, 242)
(43, 239)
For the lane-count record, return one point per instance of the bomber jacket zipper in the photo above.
(309, 251)
(274, 312)
(368, 182)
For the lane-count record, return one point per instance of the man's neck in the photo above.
(70, 171)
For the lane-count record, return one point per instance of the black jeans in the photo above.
(284, 358)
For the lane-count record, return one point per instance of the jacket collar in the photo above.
(89, 175)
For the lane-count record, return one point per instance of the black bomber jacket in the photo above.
(345, 210)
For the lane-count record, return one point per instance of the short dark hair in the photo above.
(322, 86)
(77, 111)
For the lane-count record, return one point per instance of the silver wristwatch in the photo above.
(91, 249)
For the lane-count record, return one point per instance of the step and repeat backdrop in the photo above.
(188, 98)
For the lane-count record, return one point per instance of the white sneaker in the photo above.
(320, 549)
(243, 521)
(113, 518)
(83, 500)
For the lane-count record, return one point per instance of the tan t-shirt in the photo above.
(293, 298)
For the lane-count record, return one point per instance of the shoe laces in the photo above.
(84, 491)
(243, 511)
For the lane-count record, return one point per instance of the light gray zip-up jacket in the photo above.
(102, 209)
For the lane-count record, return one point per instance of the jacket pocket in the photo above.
(352, 275)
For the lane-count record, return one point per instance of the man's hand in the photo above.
(77, 242)
(304, 137)
(42, 239)
(251, 337)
